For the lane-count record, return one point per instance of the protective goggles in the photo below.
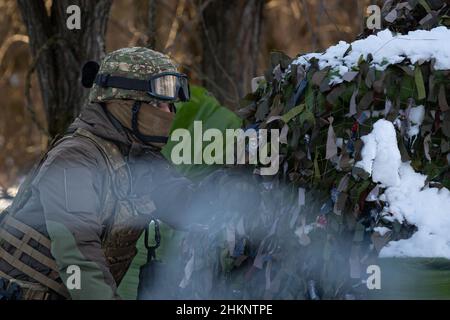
(167, 86)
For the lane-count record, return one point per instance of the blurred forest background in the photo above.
(220, 44)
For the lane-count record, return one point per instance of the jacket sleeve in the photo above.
(68, 186)
(171, 193)
(184, 204)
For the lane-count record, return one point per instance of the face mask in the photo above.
(153, 124)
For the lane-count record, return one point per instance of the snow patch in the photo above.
(5, 202)
(408, 197)
(381, 230)
(387, 49)
(415, 117)
(380, 155)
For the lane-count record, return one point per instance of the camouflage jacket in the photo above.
(87, 204)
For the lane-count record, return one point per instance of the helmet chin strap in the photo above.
(135, 129)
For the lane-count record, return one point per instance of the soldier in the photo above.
(88, 201)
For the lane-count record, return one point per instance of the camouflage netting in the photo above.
(402, 16)
(310, 231)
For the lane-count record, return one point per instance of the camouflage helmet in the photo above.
(136, 63)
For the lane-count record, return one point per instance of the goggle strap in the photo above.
(106, 80)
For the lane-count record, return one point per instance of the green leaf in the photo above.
(356, 192)
(407, 89)
(205, 108)
(418, 77)
(424, 4)
(316, 166)
(309, 97)
(292, 113)
(307, 116)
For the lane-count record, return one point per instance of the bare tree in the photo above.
(230, 33)
(151, 24)
(59, 53)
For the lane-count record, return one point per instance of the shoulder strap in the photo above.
(34, 274)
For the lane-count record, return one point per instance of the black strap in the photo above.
(137, 133)
(107, 80)
(116, 123)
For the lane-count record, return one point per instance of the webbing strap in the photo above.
(106, 80)
(22, 227)
(30, 290)
(4, 275)
(31, 294)
(39, 277)
(23, 247)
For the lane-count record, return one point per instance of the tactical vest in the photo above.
(125, 217)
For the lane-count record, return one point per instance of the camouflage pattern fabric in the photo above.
(135, 63)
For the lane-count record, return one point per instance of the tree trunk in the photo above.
(59, 53)
(151, 24)
(231, 41)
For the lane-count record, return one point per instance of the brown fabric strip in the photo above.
(17, 253)
(34, 295)
(19, 265)
(31, 290)
(22, 227)
(4, 275)
(23, 247)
